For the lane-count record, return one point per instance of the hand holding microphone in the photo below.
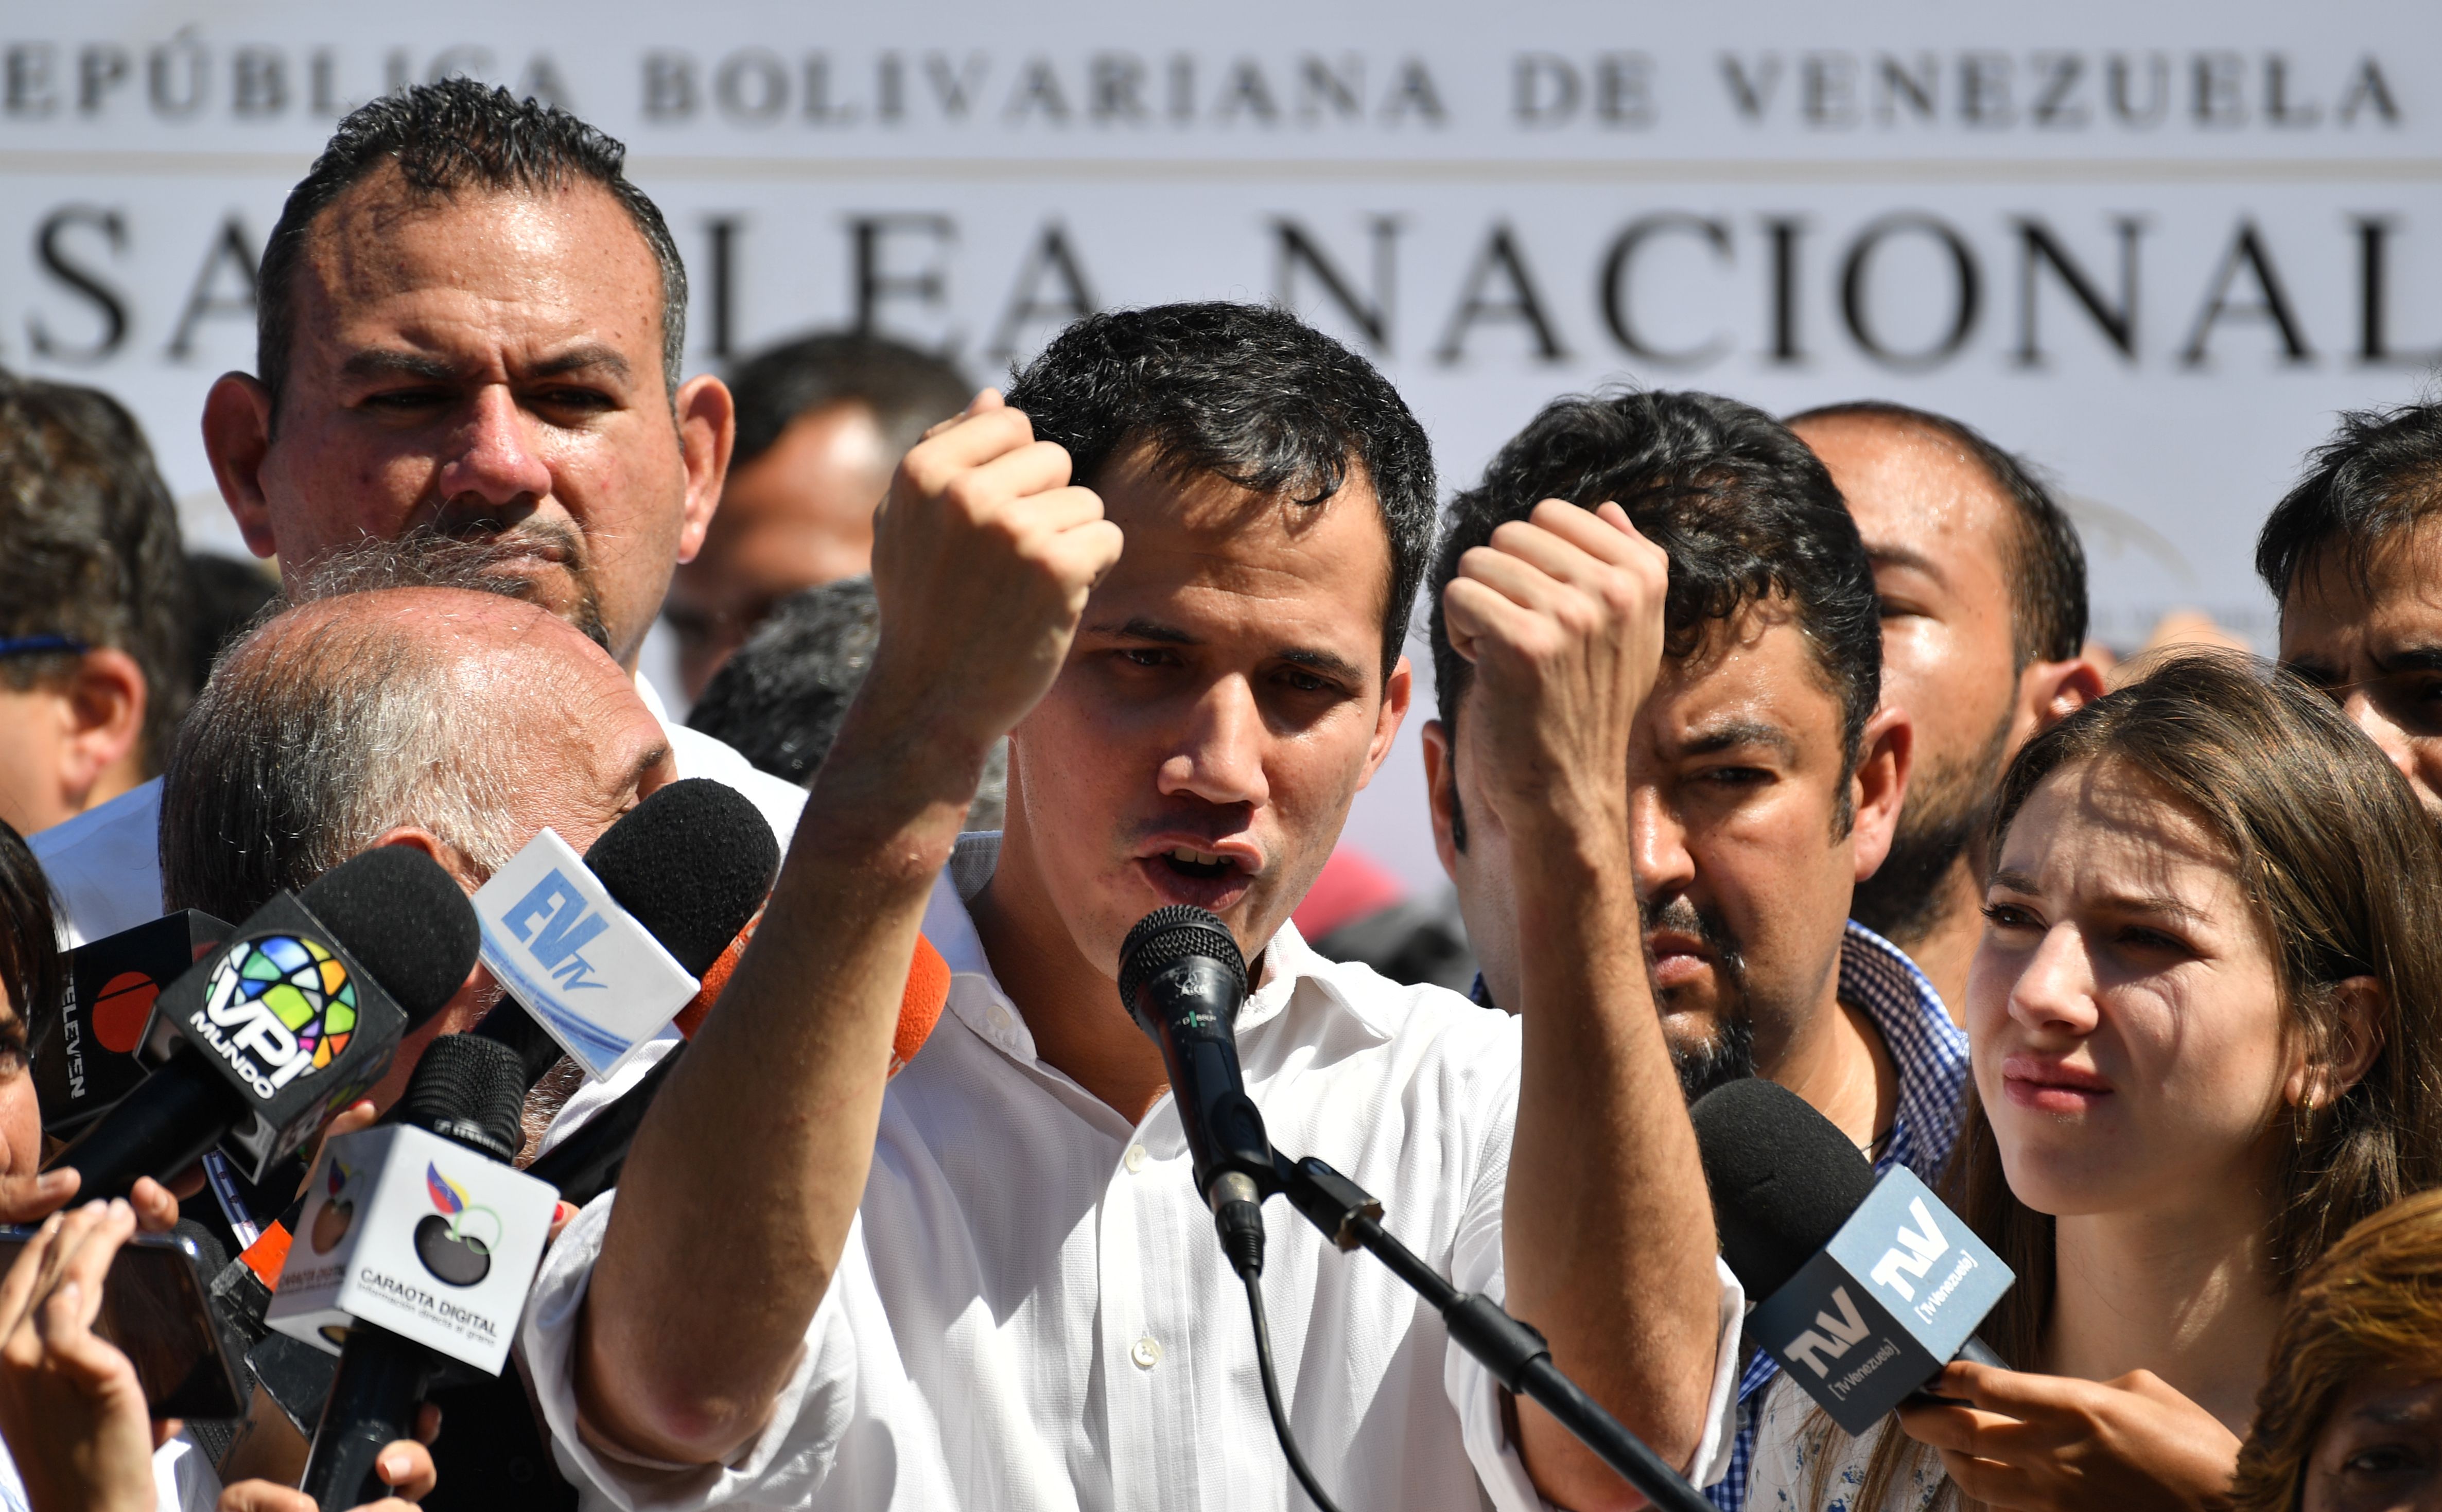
(2055, 1443)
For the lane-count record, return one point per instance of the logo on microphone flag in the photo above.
(583, 965)
(442, 1241)
(278, 1006)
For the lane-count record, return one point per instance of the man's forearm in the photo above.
(1607, 1228)
(735, 1202)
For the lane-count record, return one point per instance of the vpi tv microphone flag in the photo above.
(583, 966)
(290, 1020)
(1870, 1285)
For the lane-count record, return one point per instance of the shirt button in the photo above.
(1135, 1159)
(1147, 1353)
(1000, 1018)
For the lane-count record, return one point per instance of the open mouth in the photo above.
(1206, 874)
(1198, 865)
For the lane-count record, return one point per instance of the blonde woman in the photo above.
(2202, 1037)
(2351, 1416)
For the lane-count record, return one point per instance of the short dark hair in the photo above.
(90, 547)
(2378, 474)
(780, 699)
(906, 389)
(446, 138)
(1745, 511)
(31, 968)
(2043, 558)
(1248, 393)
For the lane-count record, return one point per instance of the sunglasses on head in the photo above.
(41, 644)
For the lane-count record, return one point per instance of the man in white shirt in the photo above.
(470, 325)
(993, 1284)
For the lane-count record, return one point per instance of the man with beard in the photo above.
(1982, 586)
(2353, 555)
(1764, 776)
(469, 327)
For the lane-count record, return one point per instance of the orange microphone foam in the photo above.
(919, 1004)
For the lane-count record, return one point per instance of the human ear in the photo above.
(1397, 689)
(415, 837)
(707, 419)
(2049, 692)
(1441, 794)
(105, 702)
(2357, 1039)
(237, 438)
(1886, 753)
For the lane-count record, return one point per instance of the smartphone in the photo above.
(156, 1307)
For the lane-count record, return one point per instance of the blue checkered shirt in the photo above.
(1930, 1053)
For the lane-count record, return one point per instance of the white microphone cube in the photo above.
(417, 1234)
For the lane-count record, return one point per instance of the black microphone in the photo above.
(691, 862)
(294, 1017)
(1864, 1287)
(1183, 981)
(87, 1058)
(467, 1090)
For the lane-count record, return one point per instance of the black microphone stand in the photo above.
(1517, 1356)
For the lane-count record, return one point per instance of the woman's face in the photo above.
(21, 1120)
(2380, 1450)
(2123, 1013)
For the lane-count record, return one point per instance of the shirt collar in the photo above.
(976, 994)
(1928, 1049)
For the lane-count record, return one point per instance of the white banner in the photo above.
(2154, 247)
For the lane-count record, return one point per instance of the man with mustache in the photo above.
(1764, 778)
(1982, 585)
(470, 326)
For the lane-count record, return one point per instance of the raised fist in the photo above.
(1561, 616)
(983, 556)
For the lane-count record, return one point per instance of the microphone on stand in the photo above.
(1183, 981)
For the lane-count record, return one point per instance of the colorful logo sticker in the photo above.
(337, 1214)
(444, 1242)
(278, 1008)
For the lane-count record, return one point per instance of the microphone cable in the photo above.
(1253, 1276)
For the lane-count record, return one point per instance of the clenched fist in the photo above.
(1561, 616)
(983, 556)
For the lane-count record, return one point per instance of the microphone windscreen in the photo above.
(469, 1090)
(1170, 935)
(1784, 1178)
(919, 1003)
(405, 920)
(692, 863)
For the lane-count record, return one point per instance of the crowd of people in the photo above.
(1760, 748)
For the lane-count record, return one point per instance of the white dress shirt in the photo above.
(105, 864)
(1032, 1311)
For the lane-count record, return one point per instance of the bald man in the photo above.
(456, 721)
(469, 331)
(1982, 584)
